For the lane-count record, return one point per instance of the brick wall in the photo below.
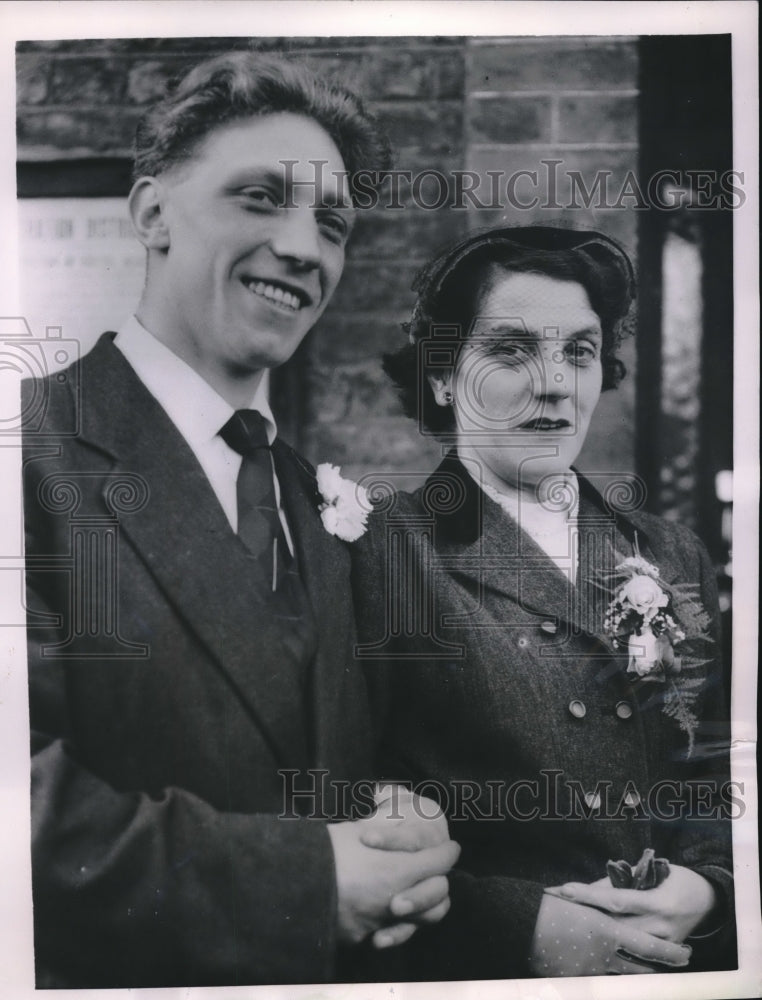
(450, 104)
(554, 108)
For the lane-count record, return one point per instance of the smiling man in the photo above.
(244, 255)
(196, 719)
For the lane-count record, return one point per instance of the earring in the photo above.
(447, 396)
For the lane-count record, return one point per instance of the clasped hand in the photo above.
(571, 939)
(392, 865)
(671, 911)
(597, 929)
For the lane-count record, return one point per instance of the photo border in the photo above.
(45, 20)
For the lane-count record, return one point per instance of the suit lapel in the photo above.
(505, 561)
(185, 540)
(324, 570)
(482, 542)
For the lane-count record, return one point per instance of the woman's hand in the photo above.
(575, 940)
(672, 910)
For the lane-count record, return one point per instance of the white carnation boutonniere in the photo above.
(345, 506)
(654, 622)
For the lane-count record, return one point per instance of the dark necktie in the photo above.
(259, 526)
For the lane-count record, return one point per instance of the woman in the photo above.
(543, 655)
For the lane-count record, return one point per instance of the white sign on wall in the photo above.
(81, 266)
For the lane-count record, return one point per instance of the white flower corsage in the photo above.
(652, 619)
(345, 506)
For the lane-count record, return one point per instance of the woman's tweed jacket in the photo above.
(493, 683)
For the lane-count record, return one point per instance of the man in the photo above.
(190, 632)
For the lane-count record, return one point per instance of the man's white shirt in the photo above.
(197, 411)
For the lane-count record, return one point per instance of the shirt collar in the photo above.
(194, 407)
(463, 521)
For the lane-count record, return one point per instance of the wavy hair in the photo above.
(240, 85)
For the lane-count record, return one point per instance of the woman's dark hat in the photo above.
(523, 239)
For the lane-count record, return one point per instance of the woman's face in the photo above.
(529, 377)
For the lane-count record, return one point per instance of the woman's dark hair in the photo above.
(449, 289)
(242, 85)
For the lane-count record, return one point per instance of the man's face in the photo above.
(253, 256)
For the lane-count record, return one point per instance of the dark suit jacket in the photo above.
(160, 710)
(495, 685)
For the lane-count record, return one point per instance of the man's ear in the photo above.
(440, 386)
(145, 204)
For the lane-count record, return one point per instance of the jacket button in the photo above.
(577, 708)
(550, 627)
(623, 709)
(592, 800)
(632, 799)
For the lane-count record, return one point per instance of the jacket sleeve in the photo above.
(156, 887)
(487, 933)
(131, 890)
(704, 840)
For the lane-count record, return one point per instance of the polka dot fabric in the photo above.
(575, 940)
